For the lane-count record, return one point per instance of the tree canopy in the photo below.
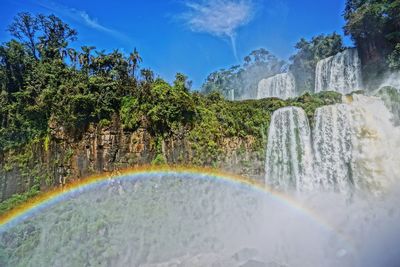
(44, 82)
(374, 25)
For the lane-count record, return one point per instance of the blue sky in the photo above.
(193, 37)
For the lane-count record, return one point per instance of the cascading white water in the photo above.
(282, 85)
(289, 156)
(340, 73)
(355, 145)
(376, 144)
(332, 144)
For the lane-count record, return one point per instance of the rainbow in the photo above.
(47, 199)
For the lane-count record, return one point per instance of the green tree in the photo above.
(374, 25)
(45, 37)
(182, 82)
(55, 37)
(25, 27)
(85, 58)
(134, 60)
(14, 62)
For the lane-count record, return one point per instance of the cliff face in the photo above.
(373, 53)
(59, 158)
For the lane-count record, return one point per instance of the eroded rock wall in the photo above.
(60, 158)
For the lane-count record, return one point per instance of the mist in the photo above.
(392, 79)
(196, 220)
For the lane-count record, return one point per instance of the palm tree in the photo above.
(85, 58)
(134, 60)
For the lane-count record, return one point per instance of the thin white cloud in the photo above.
(81, 17)
(91, 22)
(220, 18)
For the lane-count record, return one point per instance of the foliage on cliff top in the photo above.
(374, 26)
(45, 83)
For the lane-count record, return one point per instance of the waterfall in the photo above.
(232, 95)
(376, 143)
(289, 158)
(355, 145)
(281, 85)
(340, 73)
(332, 144)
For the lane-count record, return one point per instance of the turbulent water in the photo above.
(289, 157)
(376, 144)
(282, 85)
(191, 220)
(340, 73)
(354, 146)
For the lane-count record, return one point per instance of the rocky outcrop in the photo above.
(373, 54)
(61, 158)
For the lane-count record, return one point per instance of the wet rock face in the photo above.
(109, 149)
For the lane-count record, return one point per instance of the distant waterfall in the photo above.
(340, 73)
(353, 145)
(231, 95)
(289, 157)
(332, 143)
(281, 85)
